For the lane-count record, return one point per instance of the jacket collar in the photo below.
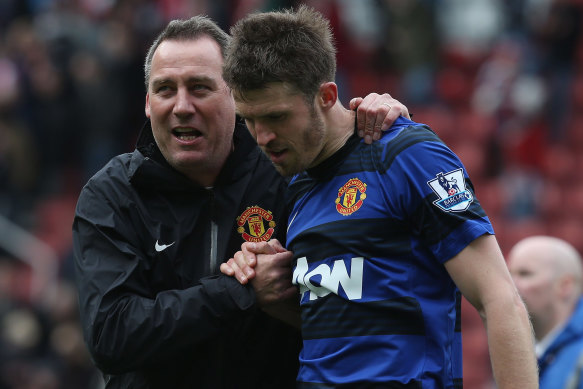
(572, 330)
(146, 137)
(149, 167)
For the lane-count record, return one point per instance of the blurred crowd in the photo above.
(498, 80)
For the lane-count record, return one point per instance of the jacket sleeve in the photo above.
(127, 326)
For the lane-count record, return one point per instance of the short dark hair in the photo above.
(283, 46)
(188, 29)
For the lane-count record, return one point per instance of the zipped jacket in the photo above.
(155, 310)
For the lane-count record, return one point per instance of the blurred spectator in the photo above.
(556, 42)
(470, 26)
(41, 347)
(18, 170)
(410, 46)
(549, 277)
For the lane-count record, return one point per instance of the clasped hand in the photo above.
(267, 267)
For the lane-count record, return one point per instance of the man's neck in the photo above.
(545, 341)
(207, 176)
(339, 128)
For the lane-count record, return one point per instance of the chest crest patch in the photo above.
(350, 197)
(255, 224)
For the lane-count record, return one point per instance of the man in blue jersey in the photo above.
(382, 237)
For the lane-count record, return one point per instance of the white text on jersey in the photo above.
(330, 278)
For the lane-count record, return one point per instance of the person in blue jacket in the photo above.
(548, 274)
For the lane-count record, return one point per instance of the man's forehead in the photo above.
(274, 97)
(531, 261)
(268, 91)
(202, 51)
(176, 62)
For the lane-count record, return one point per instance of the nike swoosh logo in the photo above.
(161, 247)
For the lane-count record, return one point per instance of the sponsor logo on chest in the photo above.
(325, 279)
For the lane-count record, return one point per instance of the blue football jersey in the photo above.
(371, 228)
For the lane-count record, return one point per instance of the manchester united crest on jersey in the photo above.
(350, 197)
(255, 224)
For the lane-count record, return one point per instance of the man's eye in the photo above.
(276, 117)
(162, 88)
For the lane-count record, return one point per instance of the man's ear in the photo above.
(567, 286)
(327, 95)
(147, 108)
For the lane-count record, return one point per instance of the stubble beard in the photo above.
(311, 147)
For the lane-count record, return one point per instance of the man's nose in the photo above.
(184, 104)
(263, 134)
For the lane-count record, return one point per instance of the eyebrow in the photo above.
(201, 79)
(264, 115)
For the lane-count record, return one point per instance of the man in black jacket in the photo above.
(152, 227)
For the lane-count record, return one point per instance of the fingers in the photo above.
(232, 268)
(227, 269)
(364, 112)
(242, 265)
(270, 247)
(248, 257)
(355, 102)
(376, 113)
(274, 243)
(397, 109)
(249, 250)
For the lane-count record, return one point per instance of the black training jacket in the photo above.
(155, 311)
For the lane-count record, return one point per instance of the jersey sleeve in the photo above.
(434, 194)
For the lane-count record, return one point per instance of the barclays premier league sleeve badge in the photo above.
(452, 192)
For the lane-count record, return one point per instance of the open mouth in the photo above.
(186, 134)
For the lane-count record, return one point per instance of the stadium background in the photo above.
(499, 80)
